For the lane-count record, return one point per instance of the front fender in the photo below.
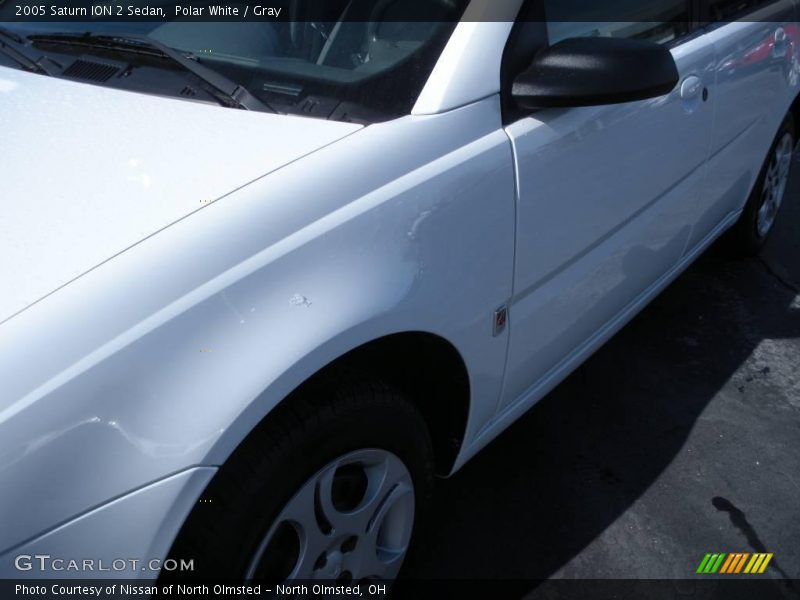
(165, 357)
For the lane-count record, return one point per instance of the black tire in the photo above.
(300, 437)
(744, 239)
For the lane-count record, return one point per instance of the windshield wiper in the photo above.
(13, 45)
(226, 90)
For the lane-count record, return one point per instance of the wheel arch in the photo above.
(425, 367)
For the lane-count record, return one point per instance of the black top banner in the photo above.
(331, 11)
(232, 10)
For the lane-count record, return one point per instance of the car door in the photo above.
(756, 44)
(606, 197)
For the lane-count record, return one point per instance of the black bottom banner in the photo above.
(554, 589)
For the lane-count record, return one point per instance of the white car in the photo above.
(261, 282)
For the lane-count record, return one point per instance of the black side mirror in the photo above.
(594, 71)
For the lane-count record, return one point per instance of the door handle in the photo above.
(781, 41)
(692, 87)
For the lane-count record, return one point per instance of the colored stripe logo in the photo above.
(734, 563)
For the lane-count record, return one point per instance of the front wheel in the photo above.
(761, 210)
(350, 521)
(330, 487)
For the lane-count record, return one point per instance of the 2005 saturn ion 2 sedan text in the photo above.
(263, 281)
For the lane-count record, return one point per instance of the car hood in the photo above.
(87, 172)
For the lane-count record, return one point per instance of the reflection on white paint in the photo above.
(120, 166)
(7, 86)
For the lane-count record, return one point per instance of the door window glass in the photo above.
(660, 21)
(726, 10)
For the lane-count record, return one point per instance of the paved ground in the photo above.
(679, 437)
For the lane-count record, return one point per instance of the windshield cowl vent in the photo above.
(91, 70)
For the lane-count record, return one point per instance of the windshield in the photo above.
(364, 63)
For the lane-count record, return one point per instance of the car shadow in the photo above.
(559, 477)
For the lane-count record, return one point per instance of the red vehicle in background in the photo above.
(777, 45)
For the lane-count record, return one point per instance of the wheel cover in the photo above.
(775, 183)
(351, 521)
